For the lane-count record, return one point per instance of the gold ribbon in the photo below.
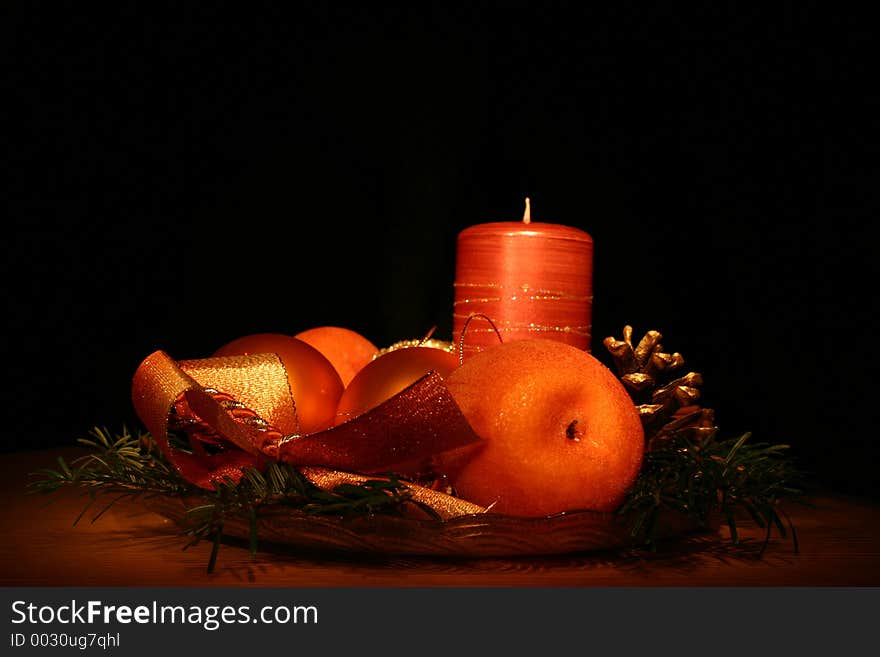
(229, 408)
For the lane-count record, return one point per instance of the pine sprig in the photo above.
(130, 465)
(123, 463)
(713, 480)
(121, 466)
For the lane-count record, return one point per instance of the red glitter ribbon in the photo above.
(229, 406)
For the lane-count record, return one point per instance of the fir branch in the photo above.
(131, 466)
(714, 479)
(127, 464)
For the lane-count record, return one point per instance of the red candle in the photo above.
(531, 279)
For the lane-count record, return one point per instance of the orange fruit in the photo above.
(348, 350)
(314, 382)
(389, 374)
(561, 431)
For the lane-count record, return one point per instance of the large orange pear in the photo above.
(561, 431)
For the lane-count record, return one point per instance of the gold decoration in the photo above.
(426, 341)
(403, 344)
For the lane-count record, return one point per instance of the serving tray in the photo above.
(471, 535)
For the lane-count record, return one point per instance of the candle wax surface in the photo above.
(533, 280)
(530, 229)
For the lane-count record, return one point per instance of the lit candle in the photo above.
(531, 279)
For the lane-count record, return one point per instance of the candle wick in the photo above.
(527, 216)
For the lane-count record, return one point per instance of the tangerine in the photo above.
(561, 431)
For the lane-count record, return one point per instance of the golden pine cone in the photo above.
(667, 406)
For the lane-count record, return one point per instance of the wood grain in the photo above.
(132, 546)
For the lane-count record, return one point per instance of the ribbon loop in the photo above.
(235, 405)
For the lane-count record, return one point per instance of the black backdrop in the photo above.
(183, 177)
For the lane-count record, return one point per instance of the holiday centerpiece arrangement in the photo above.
(512, 439)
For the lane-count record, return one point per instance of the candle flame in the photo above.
(527, 216)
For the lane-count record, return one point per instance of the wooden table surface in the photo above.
(130, 546)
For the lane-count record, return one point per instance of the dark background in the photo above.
(179, 178)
